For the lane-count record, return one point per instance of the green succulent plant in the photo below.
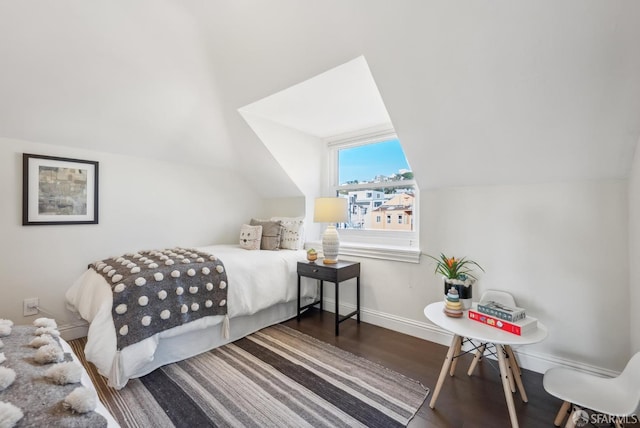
(453, 268)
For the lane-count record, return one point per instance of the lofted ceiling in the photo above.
(479, 92)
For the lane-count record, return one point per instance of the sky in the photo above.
(363, 163)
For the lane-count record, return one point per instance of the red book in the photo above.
(516, 327)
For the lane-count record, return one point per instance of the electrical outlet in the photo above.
(30, 306)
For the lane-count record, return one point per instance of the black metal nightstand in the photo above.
(336, 273)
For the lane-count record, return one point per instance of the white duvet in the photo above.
(257, 280)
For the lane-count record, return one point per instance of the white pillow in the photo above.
(250, 237)
(292, 232)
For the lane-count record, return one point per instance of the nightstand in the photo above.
(336, 273)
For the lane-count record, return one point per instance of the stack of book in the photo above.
(504, 312)
(510, 319)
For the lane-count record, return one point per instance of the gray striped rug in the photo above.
(277, 377)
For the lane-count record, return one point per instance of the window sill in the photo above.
(382, 252)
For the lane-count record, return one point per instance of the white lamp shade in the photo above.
(330, 210)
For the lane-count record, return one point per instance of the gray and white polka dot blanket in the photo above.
(156, 290)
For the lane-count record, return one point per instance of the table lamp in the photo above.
(330, 210)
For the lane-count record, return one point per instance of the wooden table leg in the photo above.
(512, 383)
(562, 413)
(515, 369)
(504, 374)
(454, 363)
(477, 358)
(455, 343)
(513, 357)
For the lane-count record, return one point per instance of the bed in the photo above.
(262, 291)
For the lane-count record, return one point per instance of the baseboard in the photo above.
(74, 330)
(534, 361)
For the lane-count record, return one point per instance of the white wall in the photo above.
(283, 207)
(561, 249)
(634, 250)
(301, 156)
(144, 204)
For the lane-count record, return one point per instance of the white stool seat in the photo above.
(619, 396)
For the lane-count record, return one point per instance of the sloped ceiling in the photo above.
(339, 101)
(487, 92)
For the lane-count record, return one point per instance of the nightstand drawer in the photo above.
(317, 271)
(338, 272)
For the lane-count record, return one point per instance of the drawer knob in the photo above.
(315, 270)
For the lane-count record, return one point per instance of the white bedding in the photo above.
(258, 281)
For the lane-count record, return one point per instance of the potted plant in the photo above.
(457, 273)
(312, 255)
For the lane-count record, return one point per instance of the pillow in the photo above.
(292, 232)
(250, 237)
(271, 233)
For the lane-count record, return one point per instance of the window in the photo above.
(372, 173)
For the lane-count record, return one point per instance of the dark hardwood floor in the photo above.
(465, 401)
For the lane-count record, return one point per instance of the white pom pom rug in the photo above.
(277, 377)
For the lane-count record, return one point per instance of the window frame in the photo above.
(384, 244)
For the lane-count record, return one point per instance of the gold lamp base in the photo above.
(329, 261)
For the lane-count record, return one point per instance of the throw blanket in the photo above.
(39, 398)
(156, 290)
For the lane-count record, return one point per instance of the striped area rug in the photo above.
(277, 377)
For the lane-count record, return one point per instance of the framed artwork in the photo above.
(58, 190)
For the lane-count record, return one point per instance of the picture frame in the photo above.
(57, 191)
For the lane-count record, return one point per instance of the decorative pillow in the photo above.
(250, 237)
(271, 233)
(292, 232)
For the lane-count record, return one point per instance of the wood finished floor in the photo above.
(465, 401)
